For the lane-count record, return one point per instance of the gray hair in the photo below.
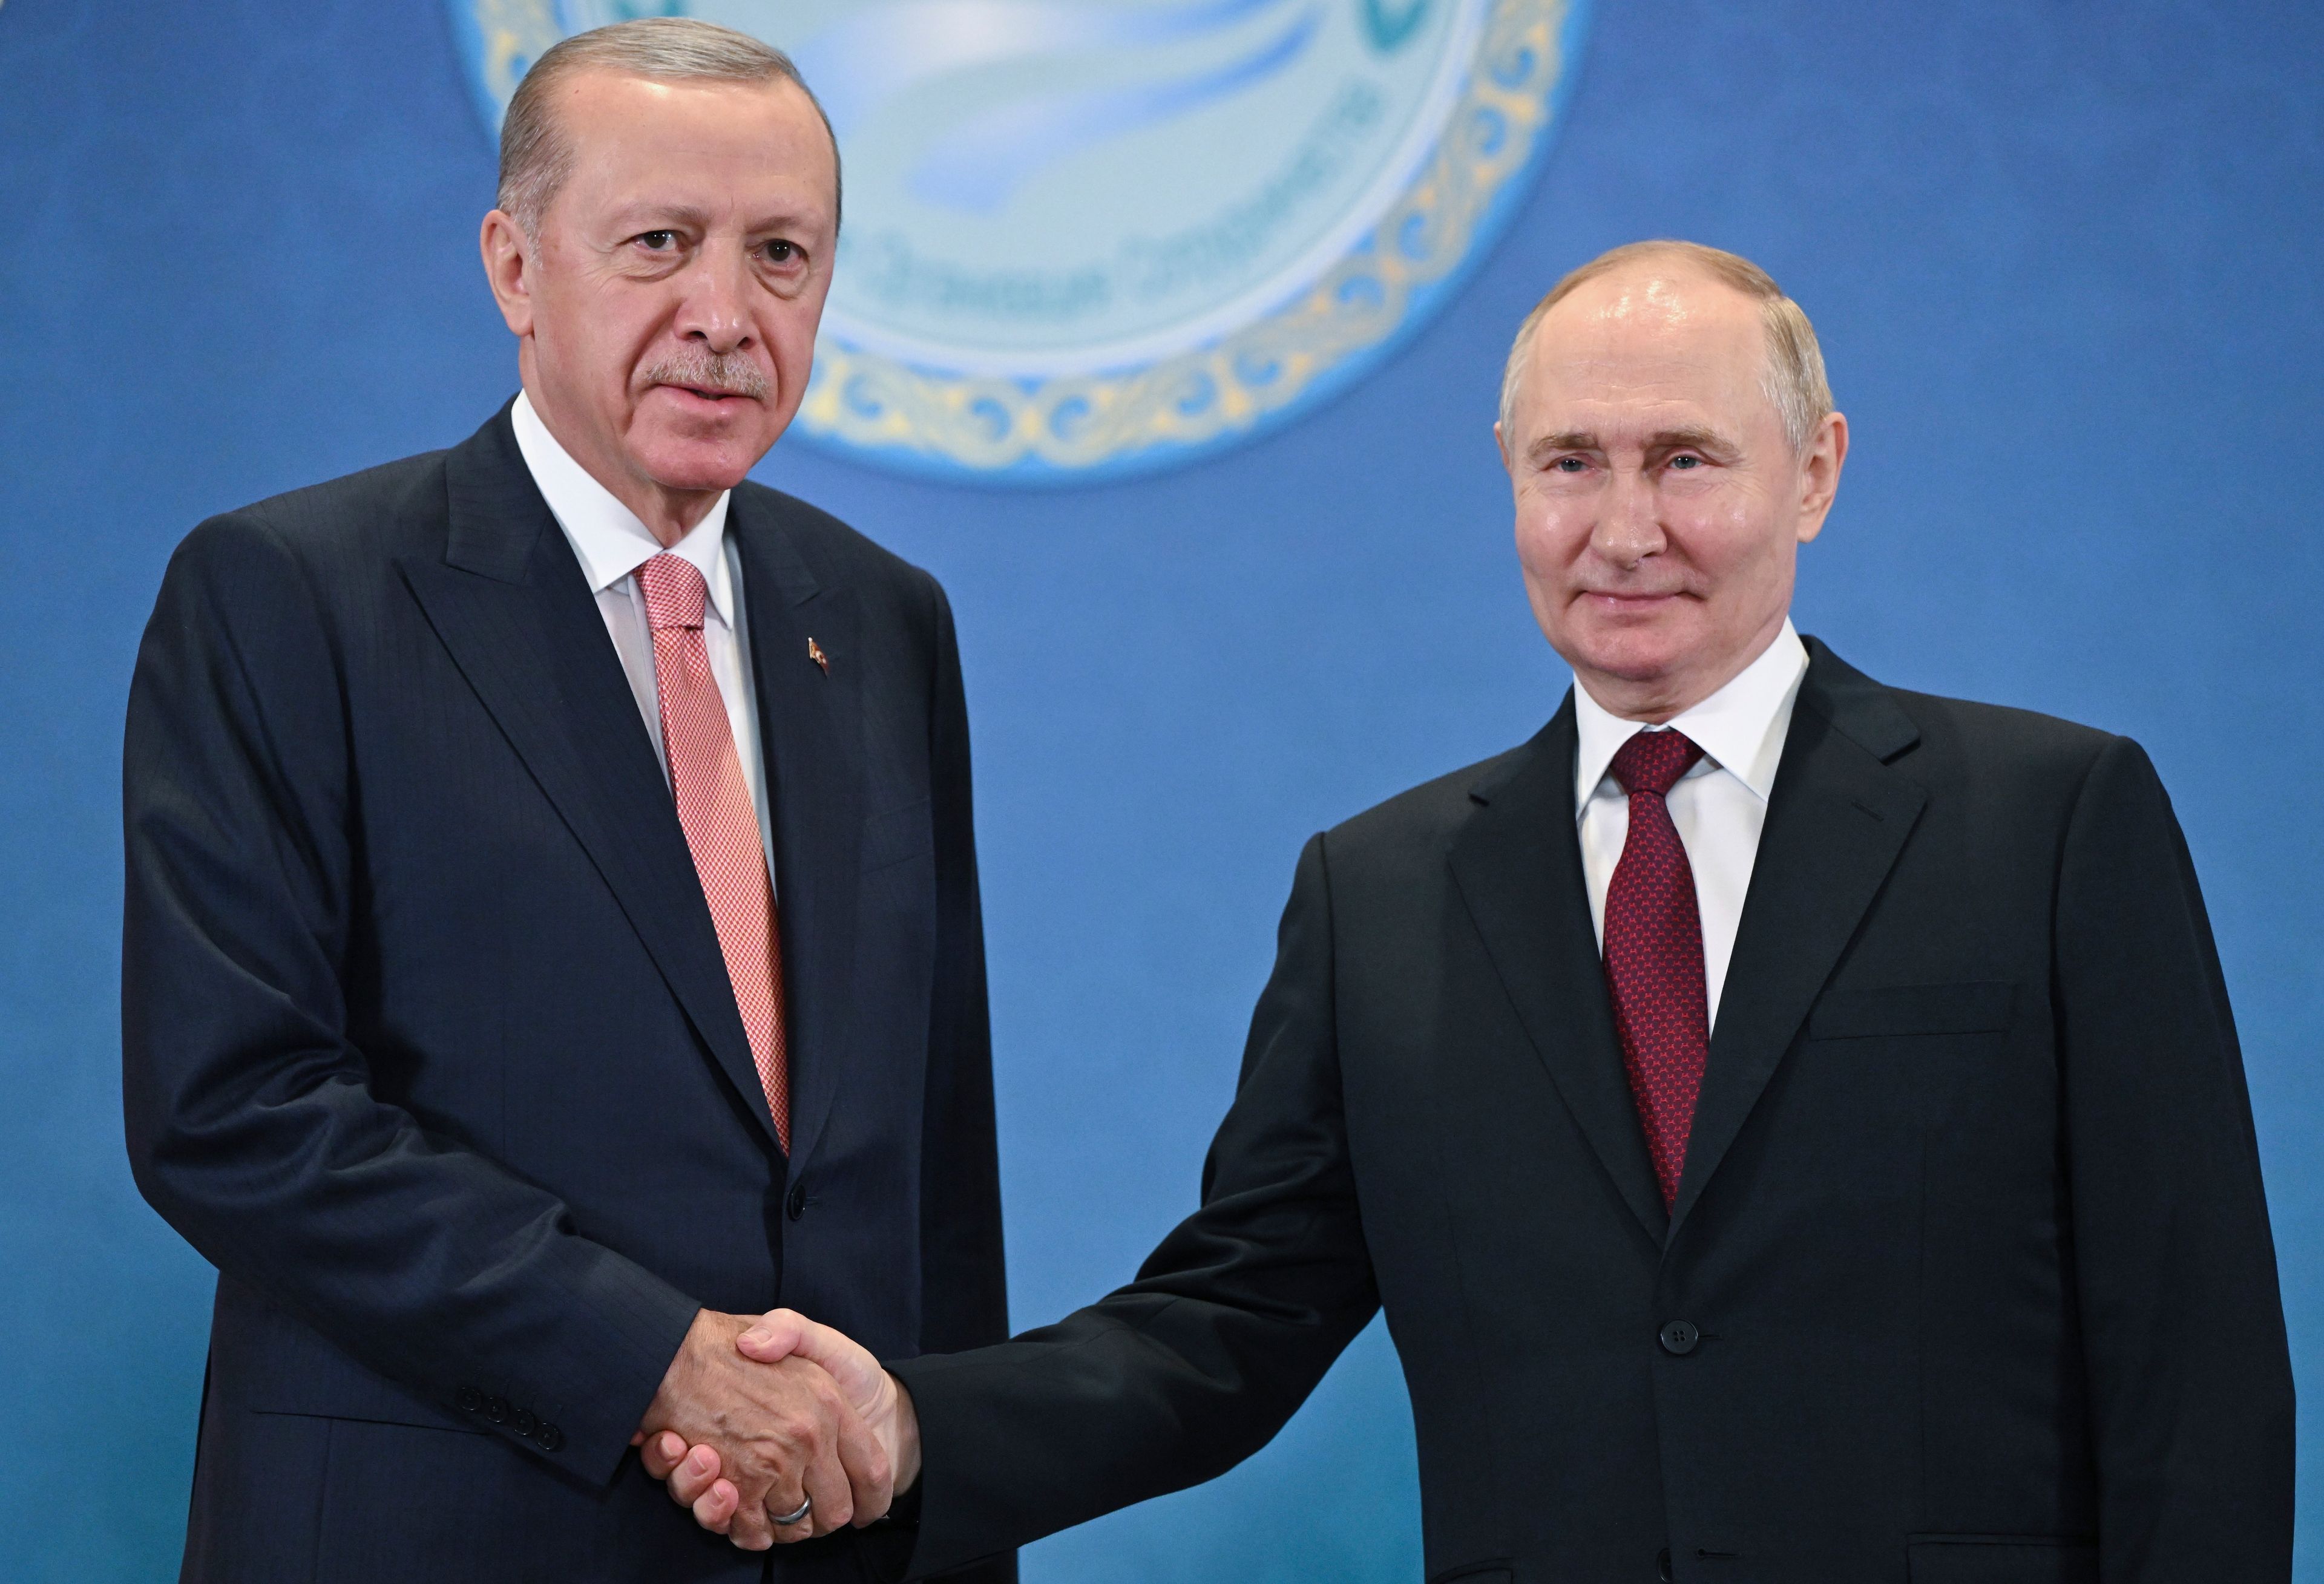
(537, 157)
(1794, 378)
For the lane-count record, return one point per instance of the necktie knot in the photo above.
(674, 591)
(1652, 762)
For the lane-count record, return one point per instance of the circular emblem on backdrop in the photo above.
(1085, 236)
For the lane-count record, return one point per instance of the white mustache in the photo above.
(729, 374)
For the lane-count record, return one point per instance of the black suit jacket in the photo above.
(1968, 1276)
(430, 1046)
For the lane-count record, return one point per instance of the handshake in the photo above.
(778, 1430)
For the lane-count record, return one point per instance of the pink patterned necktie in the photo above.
(721, 824)
(1654, 954)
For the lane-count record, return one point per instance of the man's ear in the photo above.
(508, 266)
(1820, 473)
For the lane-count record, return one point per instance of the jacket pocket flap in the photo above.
(2003, 1558)
(1915, 1009)
(264, 1361)
(1496, 1571)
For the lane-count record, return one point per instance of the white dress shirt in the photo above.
(1719, 806)
(611, 545)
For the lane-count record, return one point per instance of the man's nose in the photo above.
(714, 311)
(1628, 528)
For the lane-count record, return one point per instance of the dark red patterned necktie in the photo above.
(1654, 954)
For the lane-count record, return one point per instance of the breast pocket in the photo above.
(1890, 1064)
(1981, 1006)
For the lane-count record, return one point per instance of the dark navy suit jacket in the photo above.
(1969, 1279)
(428, 1044)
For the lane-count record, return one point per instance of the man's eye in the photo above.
(658, 241)
(1686, 462)
(1570, 465)
(781, 252)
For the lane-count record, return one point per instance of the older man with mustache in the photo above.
(552, 925)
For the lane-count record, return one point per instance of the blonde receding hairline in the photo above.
(1794, 378)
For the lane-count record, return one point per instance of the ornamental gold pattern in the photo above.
(1073, 424)
(513, 34)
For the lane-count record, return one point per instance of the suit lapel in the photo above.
(1517, 863)
(1838, 818)
(811, 737)
(510, 602)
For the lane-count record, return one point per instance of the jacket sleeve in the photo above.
(2189, 1378)
(252, 1123)
(964, 1300)
(1194, 1366)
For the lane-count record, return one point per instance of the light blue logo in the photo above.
(1090, 235)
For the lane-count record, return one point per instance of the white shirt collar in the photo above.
(607, 536)
(1740, 728)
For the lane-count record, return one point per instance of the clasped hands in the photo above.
(758, 1418)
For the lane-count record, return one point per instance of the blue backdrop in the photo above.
(2064, 258)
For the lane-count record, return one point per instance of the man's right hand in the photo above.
(783, 1432)
(876, 1398)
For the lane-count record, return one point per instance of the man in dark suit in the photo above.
(552, 931)
(1794, 1127)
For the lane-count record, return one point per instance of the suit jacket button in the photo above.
(470, 1400)
(794, 1202)
(550, 1438)
(496, 1409)
(1662, 1566)
(526, 1424)
(1679, 1338)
